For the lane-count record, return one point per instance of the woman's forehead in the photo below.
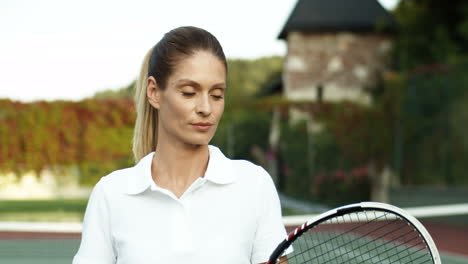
(199, 67)
(200, 59)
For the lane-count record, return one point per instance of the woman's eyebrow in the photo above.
(221, 85)
(183, 82)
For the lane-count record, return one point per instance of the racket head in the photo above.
(366, 232)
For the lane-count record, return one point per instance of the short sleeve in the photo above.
(270, 228)
(96, 243)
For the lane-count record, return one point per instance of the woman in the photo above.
(184, 201)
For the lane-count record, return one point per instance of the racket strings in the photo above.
(389, 249)
(412, 249)
(359, 247)
(330, 239)
(338, 236)
(376, 238)
(415, 245)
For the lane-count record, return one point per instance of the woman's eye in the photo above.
(188, 94)
(217, 97)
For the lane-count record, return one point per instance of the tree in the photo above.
(431, 31)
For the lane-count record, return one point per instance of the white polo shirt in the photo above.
(231, 215)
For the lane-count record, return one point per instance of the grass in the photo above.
(286, 211)
(42, 210)
(10, 206)
(41, 217)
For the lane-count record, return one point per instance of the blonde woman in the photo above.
(184, 201)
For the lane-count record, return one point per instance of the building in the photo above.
(336, 49)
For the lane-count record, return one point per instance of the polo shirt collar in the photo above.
(219, 171)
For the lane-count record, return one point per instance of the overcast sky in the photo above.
(60, 49)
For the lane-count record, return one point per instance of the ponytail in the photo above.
(145, 135)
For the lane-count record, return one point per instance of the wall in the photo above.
(343, 64)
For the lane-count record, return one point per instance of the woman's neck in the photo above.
(176, 167)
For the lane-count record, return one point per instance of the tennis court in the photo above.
(41, 243)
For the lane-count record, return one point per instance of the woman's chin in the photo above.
(200, 139)
(198, 142)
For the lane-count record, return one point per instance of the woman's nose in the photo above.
(204, 105)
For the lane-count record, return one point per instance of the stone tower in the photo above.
(336, 49)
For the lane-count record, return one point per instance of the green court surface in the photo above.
(38, 251)
(55, 251)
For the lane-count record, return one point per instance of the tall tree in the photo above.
(431, 31)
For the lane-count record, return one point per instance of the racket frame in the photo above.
(351, 208)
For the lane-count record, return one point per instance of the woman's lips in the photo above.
(202, 126)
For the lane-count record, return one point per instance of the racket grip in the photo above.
(276, 254)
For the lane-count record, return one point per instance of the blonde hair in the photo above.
(145, 135)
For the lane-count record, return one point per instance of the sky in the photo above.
(69, 50)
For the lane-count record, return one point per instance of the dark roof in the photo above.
(338, 15)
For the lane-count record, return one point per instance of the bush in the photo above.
(343, 187)
(316, 168)
(240, 130)
(294, 156)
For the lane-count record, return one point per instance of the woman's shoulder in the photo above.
(246, 166)
(116, 181)
(243, 170)
(246, 170)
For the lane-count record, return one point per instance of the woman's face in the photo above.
(191, 105)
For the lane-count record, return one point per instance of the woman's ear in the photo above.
(153, 92)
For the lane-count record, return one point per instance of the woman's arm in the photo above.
(270, 228)
(96, 243)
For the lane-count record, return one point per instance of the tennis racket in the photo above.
(366, 232)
